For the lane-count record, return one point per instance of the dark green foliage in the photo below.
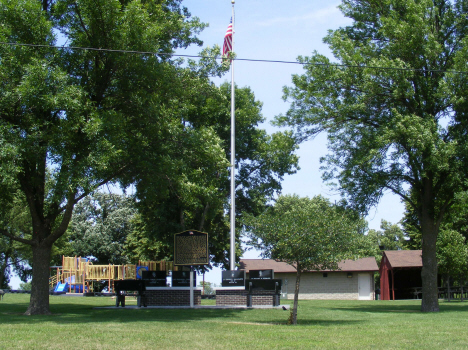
(452, 254)
(15, 257)
(199, 198)
(389, 237)
(100, 225)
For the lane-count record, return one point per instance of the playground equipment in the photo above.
(61, 288)
(77, 274)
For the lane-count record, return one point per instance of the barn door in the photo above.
(364, 285)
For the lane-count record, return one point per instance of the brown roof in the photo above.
(404, 258)
(365, 264)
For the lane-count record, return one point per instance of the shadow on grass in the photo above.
(83, 311)
(327, 323)
(402, 306)
(87, 310)
(72, 313)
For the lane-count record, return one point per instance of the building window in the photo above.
(325, 274)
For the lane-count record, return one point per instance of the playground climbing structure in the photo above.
(77, 274)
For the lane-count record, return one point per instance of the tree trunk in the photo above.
(3, 267)
(2, 274)
(430, 296)
(293, 316)
(4, 264)
(462, 282)
(449, 294)
(202, 222)
(182, 219)
(39, 302)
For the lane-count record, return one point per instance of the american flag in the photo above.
(227, 47)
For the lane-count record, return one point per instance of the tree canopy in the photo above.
(100, 225)
(14, 257)
(394, 110)
(389, 237)
(452, 254)
(199, 197)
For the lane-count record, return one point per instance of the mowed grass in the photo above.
(76, 324)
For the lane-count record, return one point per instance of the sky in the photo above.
(279, 30)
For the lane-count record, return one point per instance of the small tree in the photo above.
(452, 256)
(25, 286)
(308, 234)
(207, 288)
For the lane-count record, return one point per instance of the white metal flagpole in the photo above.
(233, 158)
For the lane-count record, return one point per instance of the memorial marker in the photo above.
(261, 274)
(191, 248)
(154, 278)
(182, 279)
(233, 278)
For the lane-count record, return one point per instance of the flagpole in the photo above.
(233, 158)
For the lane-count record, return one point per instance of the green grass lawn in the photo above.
(76, 324)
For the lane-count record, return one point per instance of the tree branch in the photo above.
(15, 238)
(60, 230)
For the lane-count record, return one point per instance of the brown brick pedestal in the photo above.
(239, 296)
(171, 296)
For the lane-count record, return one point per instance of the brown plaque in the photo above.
(191, 248)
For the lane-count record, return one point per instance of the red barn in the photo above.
(400, 274)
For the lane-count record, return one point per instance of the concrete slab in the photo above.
(132, 307)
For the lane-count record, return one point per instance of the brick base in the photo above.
(171, 297)
(239, 297)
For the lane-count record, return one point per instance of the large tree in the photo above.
(11, 260)
(452, 256)
(81, 118)
(15, 257)
(200, 199)
(100, 225)
(389, 237)
(308, 234)
(394, 109)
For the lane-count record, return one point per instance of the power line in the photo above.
(236, 59)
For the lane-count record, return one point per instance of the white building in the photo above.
(354, 279)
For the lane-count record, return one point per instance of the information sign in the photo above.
(233, 278)
(191, 248)
(261, 274)
(154, 278)
(182, 279)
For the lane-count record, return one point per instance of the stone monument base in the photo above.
(175, 296)
(240, 296)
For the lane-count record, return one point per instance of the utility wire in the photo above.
(236, 59)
